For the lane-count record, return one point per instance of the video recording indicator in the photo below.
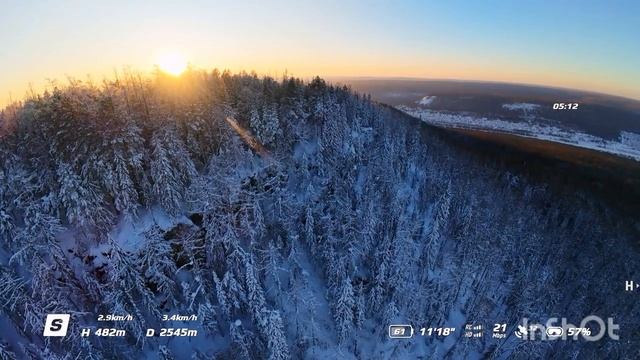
(553, 329)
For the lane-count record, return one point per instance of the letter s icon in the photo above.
(56, 325)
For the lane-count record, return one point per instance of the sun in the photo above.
(173, 63)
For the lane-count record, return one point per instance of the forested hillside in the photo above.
(296, 220)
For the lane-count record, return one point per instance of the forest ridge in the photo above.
(296, 219)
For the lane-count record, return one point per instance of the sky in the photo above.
(589, 45)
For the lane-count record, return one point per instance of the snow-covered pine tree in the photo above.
(255, 294)
(309, 230)
(166, 182)
(7, 222)
(271, 124)
(38, 233)
(117, 160)
(360, 309)
(255, 120)
(272, 269)
(12, 291)
(128, 293)
(123, 188)
(157, 264)
(240, 341)
(378, 290)
(221, 297)
(164, 353)
(276, 339)
(81, 202)
(180, 157)
(235, 291)
(44, 298)
(253, 220)
(391, 313)
(171, 169)
(434, 241)
(207, 316)
(344, 310)
(266, 126)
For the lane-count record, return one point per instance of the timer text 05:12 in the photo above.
(565, 106)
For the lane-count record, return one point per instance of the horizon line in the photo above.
(10, 100)
(503, 82)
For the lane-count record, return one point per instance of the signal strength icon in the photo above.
(473, 331)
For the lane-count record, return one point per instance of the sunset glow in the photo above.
(446, 40)
(173, 63)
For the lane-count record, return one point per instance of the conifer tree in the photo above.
(255, 294)
(221, 297)
(344, 310)
(81, 202)
(276, 341)
(157, 264)
(240, 341)
(166, 188)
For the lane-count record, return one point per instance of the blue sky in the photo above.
(580, 44)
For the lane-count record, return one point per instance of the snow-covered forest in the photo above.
(296, 220)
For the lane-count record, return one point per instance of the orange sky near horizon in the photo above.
(18, 85)
(493, 41)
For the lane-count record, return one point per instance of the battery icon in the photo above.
(400, 331)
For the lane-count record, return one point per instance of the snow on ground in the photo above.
(524, 107)
(426, 100)
(130, 235)
(317, 314)
(525, 129)
(630, 139)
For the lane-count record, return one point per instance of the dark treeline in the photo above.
(348, 218)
